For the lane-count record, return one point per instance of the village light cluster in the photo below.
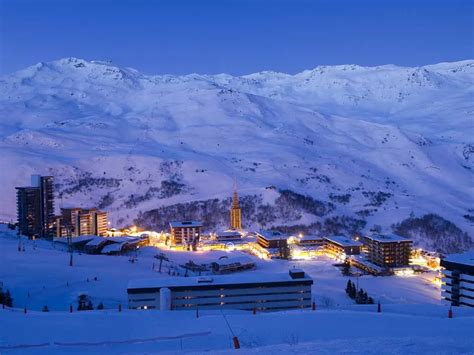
(88, 230)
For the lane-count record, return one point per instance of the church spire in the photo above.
(235, 211)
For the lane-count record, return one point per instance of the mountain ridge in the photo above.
(109, 131)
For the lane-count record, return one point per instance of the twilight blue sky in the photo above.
(236, 37)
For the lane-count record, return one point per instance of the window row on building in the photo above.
(274, 292)
(458, 279)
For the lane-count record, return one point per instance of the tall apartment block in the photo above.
(77, 221)
(35, 207)
(388, 250)
(458, 279)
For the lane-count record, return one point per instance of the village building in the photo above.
(185, 233)
(310, 241)
(228, 265)
(228, 236)
(340, 246)
(79, 221)
(271, 292)
(35, 207)
(274, 243)
(458, 279)
(388, 250)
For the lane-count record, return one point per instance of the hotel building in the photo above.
(340, 246)
(78, 221)
(185, 233)
(388, 250)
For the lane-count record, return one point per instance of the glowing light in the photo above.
(405, 272)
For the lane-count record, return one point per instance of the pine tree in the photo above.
(89, 306)
(346, 269)
(45, 308)
(8, 300)
(370, 300)
(2, 296)
(349, 288)
(365, 298)
(81, 306)
(353, 291)
(360, 296)
(100, 306)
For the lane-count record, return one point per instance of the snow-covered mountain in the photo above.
(328, 147)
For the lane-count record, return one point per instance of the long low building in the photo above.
(228, 265)
(341, 246)
(458, 279)
(269, 292)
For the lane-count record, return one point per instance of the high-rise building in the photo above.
(35, 207)
(388, 250)
(84, 221)
(28, 210)
(235, 213)
(100, 223)
(47, 217)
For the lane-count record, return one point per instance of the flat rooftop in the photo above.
(311, 237)
(388, 238)
(247, 278)
(228, 234)
(272, 235)
(343, 241)
(178, 224)
(464, 258)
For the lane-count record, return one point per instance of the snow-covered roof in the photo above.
(122, 239)
(242, 260)
(466, 258)
(96, 241)
(177, 224)
(247, 278)
(228, 234)
(114, 247)
(344, 241)
(311, 237)
(82, 238)
(361, 259)
(272, 235)
(388, 238)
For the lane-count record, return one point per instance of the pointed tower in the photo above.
(235, 212)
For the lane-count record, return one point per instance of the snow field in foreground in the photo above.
(413, 319)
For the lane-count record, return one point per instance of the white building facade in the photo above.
(458, 279)
(244, 292)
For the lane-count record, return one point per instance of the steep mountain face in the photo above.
(370, 145)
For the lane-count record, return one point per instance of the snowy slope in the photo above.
(131, 142)
(413, 318)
